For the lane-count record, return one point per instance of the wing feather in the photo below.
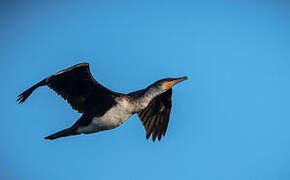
(155, 116)
(78, 87)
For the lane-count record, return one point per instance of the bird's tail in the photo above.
(66, 132)
(23, 96)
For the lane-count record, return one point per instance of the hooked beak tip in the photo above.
(178, 80)
(184, 78)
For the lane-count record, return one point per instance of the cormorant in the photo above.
(103, 109)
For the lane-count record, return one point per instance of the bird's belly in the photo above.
(114, 117)
(111, 119)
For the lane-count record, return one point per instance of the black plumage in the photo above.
(155, 116)
(77, 86)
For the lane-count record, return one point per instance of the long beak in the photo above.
(178, 80)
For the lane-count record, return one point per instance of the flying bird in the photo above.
(103, 109)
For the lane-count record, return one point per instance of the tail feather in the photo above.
(23, 96)
(63, 133)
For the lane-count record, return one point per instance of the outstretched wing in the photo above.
(77, 86)
(156, 115)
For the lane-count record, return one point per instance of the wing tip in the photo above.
(20, 99)
(81, 64)
(148, 135)
(154, 137)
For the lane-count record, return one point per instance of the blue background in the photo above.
(230, 120)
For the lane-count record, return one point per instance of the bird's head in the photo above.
(167, 83)
(162, 86)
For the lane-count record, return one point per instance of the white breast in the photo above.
(117, 114)
(113, 118)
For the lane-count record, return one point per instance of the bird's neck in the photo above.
(152, 92)
(149, 93)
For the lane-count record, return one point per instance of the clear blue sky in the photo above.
(230, 120)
